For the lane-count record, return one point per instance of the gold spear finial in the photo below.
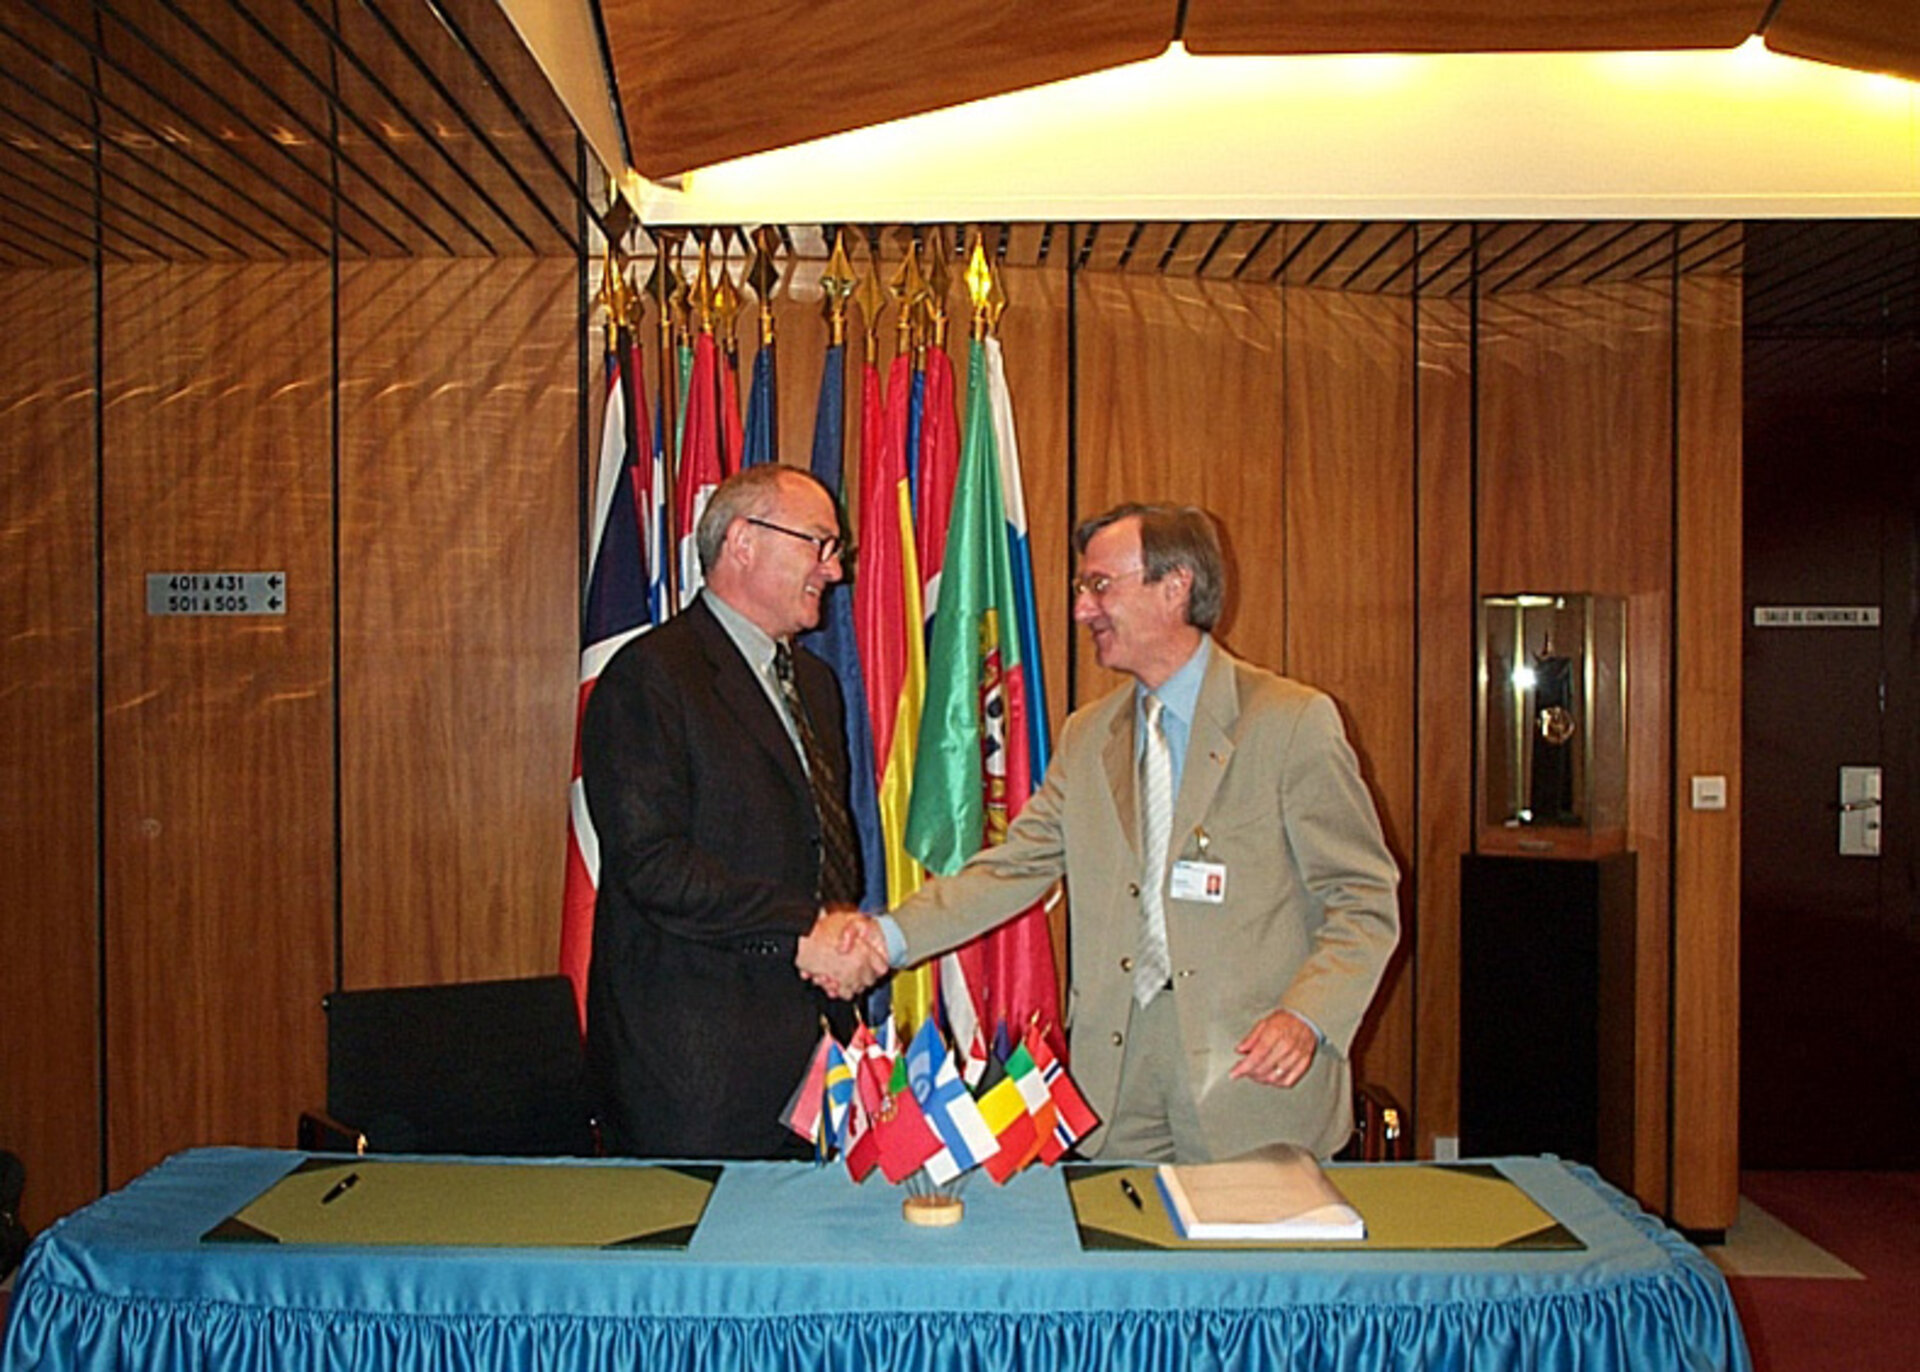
(663, 284)
(871, 296)
(837, 285)
(939, 275)
(984, 288)
(703, 289)
(763, 276)
(909, 290)
(728, 298)
(612, 295)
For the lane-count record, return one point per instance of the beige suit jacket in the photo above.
(1272, 790)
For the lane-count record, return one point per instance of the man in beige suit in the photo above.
(1218, 1017)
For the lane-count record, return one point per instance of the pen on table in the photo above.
(344, 1185)
(1131, 1194)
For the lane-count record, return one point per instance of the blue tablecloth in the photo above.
(795, 1267)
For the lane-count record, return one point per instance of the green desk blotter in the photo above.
(475, 1204)
(1466, 1207)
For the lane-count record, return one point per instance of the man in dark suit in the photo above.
(714, 761)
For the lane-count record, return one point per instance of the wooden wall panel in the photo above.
(1180, 398)
(1034, 341)
(1444, 712)
(459, 613)
(1707, 668)
(1349, 579)
(217, 748)
(1575, 494)
(49, 1073)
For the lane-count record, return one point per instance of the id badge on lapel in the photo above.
(1199, 878)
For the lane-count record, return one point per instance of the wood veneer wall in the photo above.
(211, 822)
(372, 788)
(49, 853)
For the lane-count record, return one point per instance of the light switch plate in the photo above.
(1709, 793)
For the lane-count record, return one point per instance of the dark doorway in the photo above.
(1830, 944)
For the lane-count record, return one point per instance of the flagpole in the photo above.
(664, 286)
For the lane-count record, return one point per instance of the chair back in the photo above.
(487, 1067)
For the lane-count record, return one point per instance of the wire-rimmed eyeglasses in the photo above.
(1100, 583)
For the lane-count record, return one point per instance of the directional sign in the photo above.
(1815, 616)
(216, 593)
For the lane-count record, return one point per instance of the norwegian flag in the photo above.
(618, 605)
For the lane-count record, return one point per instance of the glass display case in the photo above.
(1552, 717)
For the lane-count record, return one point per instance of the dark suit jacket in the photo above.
(698, 1024)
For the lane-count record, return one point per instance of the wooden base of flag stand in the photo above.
(933, 1212)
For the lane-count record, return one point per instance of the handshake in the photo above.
(844, 953)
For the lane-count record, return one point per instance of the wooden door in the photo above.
(1830, 959)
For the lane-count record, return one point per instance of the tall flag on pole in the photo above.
(763, 420)
(763, 407)
(912, 989)
(726, 309)
(835, 640)
(700, 470)
(617, 603)
(974, 765)
(1020, 556)
(939, 437)
(886, 613)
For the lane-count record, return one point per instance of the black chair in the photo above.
(487, 1067)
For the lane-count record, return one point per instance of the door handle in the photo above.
(1859, 807)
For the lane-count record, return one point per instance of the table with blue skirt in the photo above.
(793, 1266)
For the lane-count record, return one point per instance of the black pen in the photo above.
(352, 1179)
(1132, 1194)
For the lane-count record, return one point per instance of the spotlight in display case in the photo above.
(1552, 713)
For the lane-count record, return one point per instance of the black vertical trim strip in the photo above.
(101, 1094)
(1285, 665)
(333, 363)
(1475, 799)
(583, 409)
(1673, 706)
(1073, 264)
(1417, 853)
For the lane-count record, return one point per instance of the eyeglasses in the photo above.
(829, 546)
(1100, 583)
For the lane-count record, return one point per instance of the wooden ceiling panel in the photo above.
(1873, 35)
(503, 95)
(199, 100)
(701, 83)
(276, 129)
(1301, 26)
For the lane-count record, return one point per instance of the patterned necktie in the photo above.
(1153, 966)
(839, 854)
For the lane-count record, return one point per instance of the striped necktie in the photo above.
(1153, 966)
(839, 853)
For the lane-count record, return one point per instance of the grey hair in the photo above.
(748, 494)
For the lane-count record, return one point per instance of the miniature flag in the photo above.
(905, 1140)
(965, 1138)
(1033, 1090)
(804, 1107)
(837, 1094)
(873, 1068)
(1005, 1111)
(1073, 1117)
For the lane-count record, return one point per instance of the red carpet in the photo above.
(1870, 1220)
